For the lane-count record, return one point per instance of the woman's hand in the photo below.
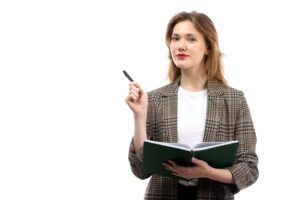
(137, 100)
(200, 170)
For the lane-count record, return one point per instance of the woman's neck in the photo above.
(193, 80)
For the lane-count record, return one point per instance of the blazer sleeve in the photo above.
(136, 159)
(244, 170)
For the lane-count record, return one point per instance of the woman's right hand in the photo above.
(137, 100)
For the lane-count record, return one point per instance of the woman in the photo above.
(197, 106)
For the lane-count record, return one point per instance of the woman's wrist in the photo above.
(209, 172)
(140, 134)
(140, 117)
(221, 175)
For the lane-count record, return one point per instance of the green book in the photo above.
(216, 154)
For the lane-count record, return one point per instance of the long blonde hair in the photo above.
(213, 61)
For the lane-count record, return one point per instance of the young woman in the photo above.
(197, 106)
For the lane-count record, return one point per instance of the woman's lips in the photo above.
(181, 56)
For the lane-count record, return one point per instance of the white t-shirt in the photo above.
(191, 116)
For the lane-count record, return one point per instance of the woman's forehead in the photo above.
(185, 28)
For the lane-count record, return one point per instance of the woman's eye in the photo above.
(192, 39)
(175, 38)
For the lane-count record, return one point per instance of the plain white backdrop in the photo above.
(64, 125)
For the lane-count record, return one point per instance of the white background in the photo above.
(64, 125)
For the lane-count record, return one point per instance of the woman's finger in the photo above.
(133, 97)
(133, 88)
(134, 93)
(169, 166)
(128, 100)
(136, 85)
(172, 163)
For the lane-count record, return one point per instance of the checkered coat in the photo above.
(228, 118)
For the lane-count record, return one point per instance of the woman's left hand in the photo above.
(200, 170)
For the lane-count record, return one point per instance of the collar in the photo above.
(214, 87)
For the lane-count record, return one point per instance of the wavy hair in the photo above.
(213, 61)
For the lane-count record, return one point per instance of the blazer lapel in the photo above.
(169, 110)
(215, 110)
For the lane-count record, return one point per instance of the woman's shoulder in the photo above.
(225, 90)
(158, 92)
(231, 91)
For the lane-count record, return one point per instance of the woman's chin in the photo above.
(183, 67)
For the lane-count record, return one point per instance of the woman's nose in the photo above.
(182, 45)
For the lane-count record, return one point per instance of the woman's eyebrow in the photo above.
(187, 34)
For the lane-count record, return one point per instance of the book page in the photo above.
(208, 145)
(170, 144)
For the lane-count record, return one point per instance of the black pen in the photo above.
(127, 75)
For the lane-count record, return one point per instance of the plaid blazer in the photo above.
(228, 118)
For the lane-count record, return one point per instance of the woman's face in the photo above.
(187, 46)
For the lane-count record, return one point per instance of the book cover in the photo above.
(216, 154)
